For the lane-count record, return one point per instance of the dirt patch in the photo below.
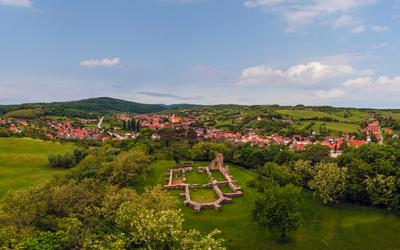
(177, 181)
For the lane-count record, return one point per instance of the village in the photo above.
(91, 129)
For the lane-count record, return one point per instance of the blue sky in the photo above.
(313, 52)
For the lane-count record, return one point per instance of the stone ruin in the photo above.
(219, 160)
(215, 165)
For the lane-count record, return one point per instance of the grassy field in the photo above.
(194, 177)
(218, 175)
(23, 162)
(395, 116)
(324, 227)
(204, 195)
(354, 116)
(334, 126)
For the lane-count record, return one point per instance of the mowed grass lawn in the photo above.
(324, 227)
(23, 162)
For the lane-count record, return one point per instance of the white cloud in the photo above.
(304, 74)
(17, 3)
(380, 46)
(299, 13)
(386, 82)
(106, 62)
(332, 93)
(257, 3)
(358, 29)
(379, 29)
(363, 86)
(358, 82)
(345, 21)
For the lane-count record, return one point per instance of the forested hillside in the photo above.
(82, 108)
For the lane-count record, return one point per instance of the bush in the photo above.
(62, 161)
(43, 241)
(4, 132)
(79, 154)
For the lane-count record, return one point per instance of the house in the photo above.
(23, 123)
(155, 137)
(356, 143)
(176, 119)
(373, 129)
(14, 128)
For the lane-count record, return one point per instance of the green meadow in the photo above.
(352, 115)
(324, 227)
(333, 126)
(23, 162)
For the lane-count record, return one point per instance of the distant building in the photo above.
(176, 119)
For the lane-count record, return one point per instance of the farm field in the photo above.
(324, 227)
(354, 116)
(394, 115)
(334, 126)
(23, 162)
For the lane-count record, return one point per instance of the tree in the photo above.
(304, 170)
(127, 168)
(133, 125)
(160, 229)
(62, 161)
(315, 153)
(129, 125)
(168, 135)
(179, 151)
(79, 154)
(43, 241)
(382, 191)
(206, 151)
(11, 236)
(329, 182)
(276, 174)
(278, 210)
(249, 156)
(138, 126)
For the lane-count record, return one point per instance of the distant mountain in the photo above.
(92, 107)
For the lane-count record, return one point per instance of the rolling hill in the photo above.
(82, 108)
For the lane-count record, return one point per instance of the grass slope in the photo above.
(334, 126)
(23, 162)
(354, 116)
(324, 227)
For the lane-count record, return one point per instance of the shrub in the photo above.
(79, 154)
(4, 132)
(62, 161)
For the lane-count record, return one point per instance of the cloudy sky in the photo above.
(313, 52)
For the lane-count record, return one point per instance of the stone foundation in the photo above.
(217, 165)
